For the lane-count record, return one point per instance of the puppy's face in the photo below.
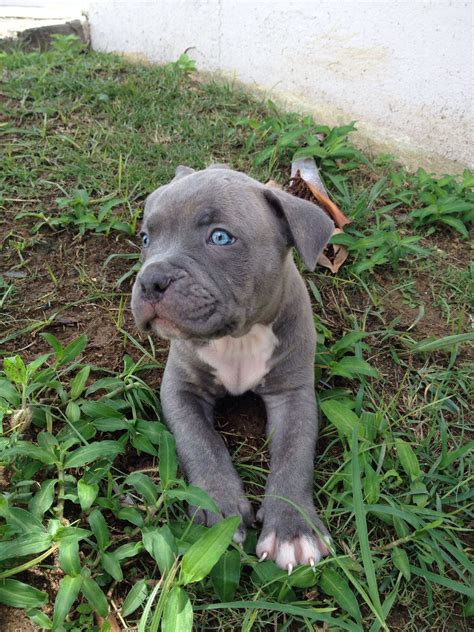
(214, 246)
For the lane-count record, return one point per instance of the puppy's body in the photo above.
(239, 318)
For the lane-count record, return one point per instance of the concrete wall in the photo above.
(403, 70)
(16, 16)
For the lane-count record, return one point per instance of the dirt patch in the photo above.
(451, 246)
(65, 288)
(15, 620)
(242, 420)
(403, 313)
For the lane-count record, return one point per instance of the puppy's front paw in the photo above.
(303, 549)
(288, 539)
(230, 505)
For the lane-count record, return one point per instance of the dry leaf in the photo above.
(111, 620)
(306, 170)
(338, 216)
(334, 255)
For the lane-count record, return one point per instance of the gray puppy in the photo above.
(219, 280)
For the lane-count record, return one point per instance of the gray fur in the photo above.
(219, 291)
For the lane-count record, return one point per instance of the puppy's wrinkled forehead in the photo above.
(206, 197)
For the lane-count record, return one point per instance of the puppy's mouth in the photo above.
(170, 330)
(164, 328)
(205, 325)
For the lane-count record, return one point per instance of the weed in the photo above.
(77, 210)
(184, 64)
(448, 200)
(286, 136)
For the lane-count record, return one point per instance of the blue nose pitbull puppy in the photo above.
(218, 279)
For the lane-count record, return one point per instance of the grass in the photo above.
(93, 524)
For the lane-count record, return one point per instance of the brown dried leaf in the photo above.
(334, 255)
(306, 170)
(334, 211)
(111, 620)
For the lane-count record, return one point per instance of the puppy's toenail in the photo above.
(290, 568)
(264, 556)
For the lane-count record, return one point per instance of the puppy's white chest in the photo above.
(241, 363)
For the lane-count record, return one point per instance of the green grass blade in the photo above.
(94, 595)
(160, 544)
(19, 595)
(69, 588)
(361, 524)
(225, 575)
(69, 559)
(202, 556)
(143, 623)
(387, 605)
(135, 598)
(178, 612)
(25, 545)
(456, 587)
(333, 584)
(89, 453)
(168, 462)
(99, 528)
(439, 344)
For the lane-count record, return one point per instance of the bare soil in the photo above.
(15, 620)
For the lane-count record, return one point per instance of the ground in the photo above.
(86, 138)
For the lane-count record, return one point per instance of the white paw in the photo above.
(305, 549)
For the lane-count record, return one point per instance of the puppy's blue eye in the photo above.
(145, 240)
(221, 237)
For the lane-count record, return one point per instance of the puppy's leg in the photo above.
(203, 455)
(290, 536)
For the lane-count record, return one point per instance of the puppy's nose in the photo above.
(154, 284)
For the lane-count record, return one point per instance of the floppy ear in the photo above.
(307, 227)
(181, 171)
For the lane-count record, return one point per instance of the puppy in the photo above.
(219, 280)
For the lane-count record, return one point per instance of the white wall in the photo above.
(402, 69)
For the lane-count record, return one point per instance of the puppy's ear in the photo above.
(306, 226)
(181, 172)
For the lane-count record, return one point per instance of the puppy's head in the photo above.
(215, 244)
